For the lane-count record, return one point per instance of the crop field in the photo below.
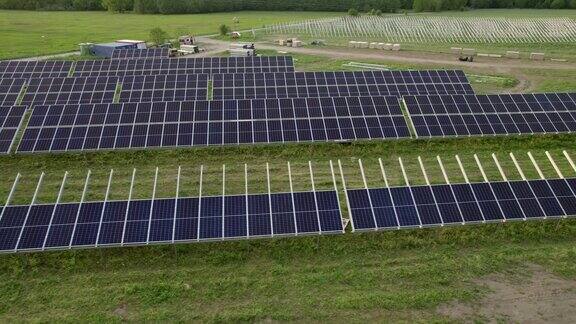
(430, 29)
(441, 274)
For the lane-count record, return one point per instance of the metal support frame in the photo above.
(554, 165)
(572, 164)
(517, 165)
(429, 185)
(543, 177)
(536, 166)
(80, 207)
(292, 196)
(346, 194)
(499, 167)
(410, 189)
(269, 198)
(315, 197)
(344, 220)
(29, 209)
(54, 209)
(152, 206)
(447, 179)
(128, 206)
(223, 199)
(383, 171)
(462, 169)
(479, 164)
(368, 193)
(176, 204)
(246, 195)
(10, 195)
(199, 203)
(104, 206)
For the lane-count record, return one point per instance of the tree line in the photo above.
(204, 6)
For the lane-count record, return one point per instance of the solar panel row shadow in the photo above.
(470, 115)
(338, 84)
(10, 90)
(134, 53)
(10, 121)
(142, 222)
(207, 65)
(204, 123)
(50, 91)
(155, 88)
(34, 69)
(438, 205)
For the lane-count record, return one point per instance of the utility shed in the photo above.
(105, 50)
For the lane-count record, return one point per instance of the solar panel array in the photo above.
(142, 222)
(210, 123)
(338, 84)
(34, 69)
(446, 115)
(133, 53)
(452, 204)
(154, 88)
(10, 90)
(10, 121)
(59, 91)
(207, 65)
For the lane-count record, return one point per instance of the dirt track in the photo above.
(482, 64)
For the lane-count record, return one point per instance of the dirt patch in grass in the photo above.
(537, 297)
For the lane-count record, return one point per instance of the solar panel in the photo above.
(339, 84)
(212, 123)
(133, 53)
(50, 91)
(10, 90)
(10, 121)
(206, 65)
(454, 204)
(34, 69)
(153, 88)
(168, 221)
(469, 115)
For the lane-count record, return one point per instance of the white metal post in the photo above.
(337, 195)
(54, 209)
(499, 167)
(269, 199)
(80, 207)
(199, 203)
(292, 196)
(518, 166)
(389, 192)
(315, 198)
(368, 193)
(481, 168)
(223, 199)
(246, 195)
(128, 206)
(10, 195)
(410, 189)
(176, 204)
(104, 206)
(554, 165)
(346, 194)
(572, 164)
(29, 209)
(462, 169)
(152, 206)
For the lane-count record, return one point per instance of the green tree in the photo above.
(558, 4)
(224, 30)
(158, 36)
(418, 5)
(353, 12)
(572, 4)
(118, 5)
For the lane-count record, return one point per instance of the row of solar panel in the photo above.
(208, 65)
(141, 222)
(59, 139)
(438, 205)
(215, 111)
(135, 53)
(144, 66)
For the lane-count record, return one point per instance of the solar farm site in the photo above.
(295, 185)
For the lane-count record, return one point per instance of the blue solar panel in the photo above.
(141, 222)
(10, 90)
(438, 205)
(34, 69)
(212, 123)
(475, 115)
(338, 84)
(10, 120)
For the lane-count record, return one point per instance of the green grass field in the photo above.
(400, 276)
(31, 33)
